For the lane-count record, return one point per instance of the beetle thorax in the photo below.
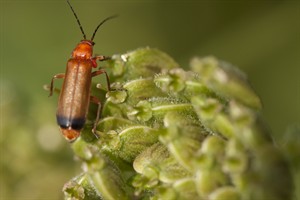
(84, 50)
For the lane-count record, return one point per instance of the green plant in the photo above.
(167, 133)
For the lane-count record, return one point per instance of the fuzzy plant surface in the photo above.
(169, 133)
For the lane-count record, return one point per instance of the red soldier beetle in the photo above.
(75, 96)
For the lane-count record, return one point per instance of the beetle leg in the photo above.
(101, 58)
(52, 81)
(101, 71)
(96, 101)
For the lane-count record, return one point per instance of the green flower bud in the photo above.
(209, 180)
(236, 158)
(116, 96)
(186, 189)
(141, 89)
(106, 178)
(143, 62)
(226, 80)
(142, 111)
(213, 115)
(80, 188)
(183, 138)
(131, 141)
(173, 81)
(225, 193)
(153, 155)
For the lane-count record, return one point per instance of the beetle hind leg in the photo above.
(57, 76)
(99, 110)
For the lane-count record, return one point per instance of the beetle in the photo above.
(75, 96)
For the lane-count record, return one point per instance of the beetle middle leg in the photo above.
(99, 58)
(57, 76)
(102, 71)
(96, 101)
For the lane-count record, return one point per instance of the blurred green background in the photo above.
(37, 37)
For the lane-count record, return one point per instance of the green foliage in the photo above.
(167, 133)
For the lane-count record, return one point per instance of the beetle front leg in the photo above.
(101, 58)
(96, 101)
(57, 76)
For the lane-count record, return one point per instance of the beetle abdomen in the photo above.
(75, 123)
(75, 95)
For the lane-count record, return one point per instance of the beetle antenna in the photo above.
(84, 37)
(106, 19)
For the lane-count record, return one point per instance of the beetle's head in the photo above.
(83, 50)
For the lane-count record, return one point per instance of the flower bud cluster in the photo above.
(169, 133)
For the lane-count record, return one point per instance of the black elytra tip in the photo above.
(74, 123)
